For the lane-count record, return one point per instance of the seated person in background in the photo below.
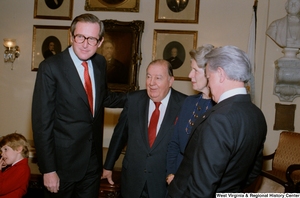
(193, 107)
(14, 169)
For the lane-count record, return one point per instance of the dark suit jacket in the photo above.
(141, 163)
(63, 126)
(224, 152)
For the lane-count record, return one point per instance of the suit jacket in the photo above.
(142, 164)
(224, 152)
(64, 128)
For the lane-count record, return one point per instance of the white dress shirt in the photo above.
(232, 92)
(162, 110)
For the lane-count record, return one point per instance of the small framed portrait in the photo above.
(177, 11)
(113, 5)
(284, 117)
(122, 50)
(53, 9)
(48, 41)
(174, 46)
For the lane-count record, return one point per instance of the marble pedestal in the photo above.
(287, 79)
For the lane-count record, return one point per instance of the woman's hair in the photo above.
(199, 54)
(88, 18)
(14, 141)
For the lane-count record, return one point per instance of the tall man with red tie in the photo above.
(69, 97)
(144, 164)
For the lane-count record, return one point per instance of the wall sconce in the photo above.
(12, 51)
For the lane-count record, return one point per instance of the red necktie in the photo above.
(88, 84)
(153, 124)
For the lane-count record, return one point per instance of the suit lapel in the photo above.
(143, 105)
(98, 82)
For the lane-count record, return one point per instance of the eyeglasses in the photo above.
(79, 38)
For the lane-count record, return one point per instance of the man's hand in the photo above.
(107, 174)
(169, 178)
(51, 182)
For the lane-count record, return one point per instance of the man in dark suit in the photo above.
(67, 113)
(225, 148)
(144, 166)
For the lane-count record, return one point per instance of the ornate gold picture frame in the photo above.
(113, 5)
(164, 44)
(122, 50)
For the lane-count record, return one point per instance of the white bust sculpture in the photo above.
(286, 31)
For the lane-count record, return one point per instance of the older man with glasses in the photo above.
(69, 97)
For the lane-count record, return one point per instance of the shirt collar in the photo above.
(232, 92)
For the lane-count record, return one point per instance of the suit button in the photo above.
(145, 171)
(149, 155)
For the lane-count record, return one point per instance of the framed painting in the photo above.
(177, 11)
(122, 50)
(284, 117)
(47, 41)
(113, 5)
(53, 9)
(174, 46)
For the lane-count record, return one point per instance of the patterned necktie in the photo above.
(153, 124)
(88, 84)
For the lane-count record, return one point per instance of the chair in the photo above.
(285, 162)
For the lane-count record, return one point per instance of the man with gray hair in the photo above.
(225, 148)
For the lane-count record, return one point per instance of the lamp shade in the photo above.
(9, 42)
